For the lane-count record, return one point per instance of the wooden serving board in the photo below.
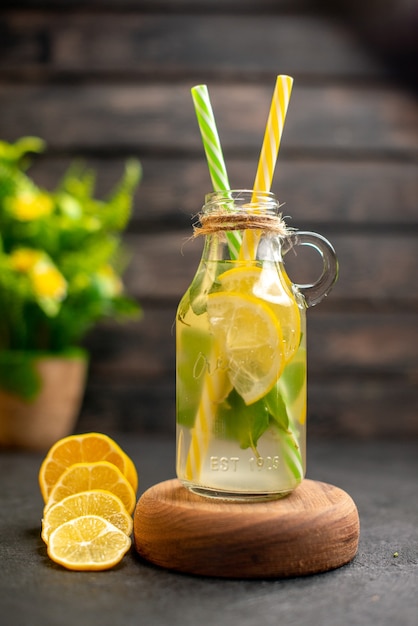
(314, 529)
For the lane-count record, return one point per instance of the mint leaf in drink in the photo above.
(205, 282)
(193, 346)
(247, 423)
(293, 377)
(277, 407)
(242, 423)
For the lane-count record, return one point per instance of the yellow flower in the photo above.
(29, 206)
(48, 282)
(24, 259)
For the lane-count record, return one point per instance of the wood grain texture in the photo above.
(160, 117)
(348, 342)
(168, 6)
(358, 406)
(152, 117)
(105, 79)
(314, 529)
(106, 42)
(363, 193)
(378, 268)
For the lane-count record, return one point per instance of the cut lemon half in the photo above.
(88, 447)
(250, 337)
(88, 543)
(264, 283)
(96, 502)
(87, 476)
(131, 473)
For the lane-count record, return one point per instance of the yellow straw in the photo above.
(263, 182)
(273, 133)
(268, 154)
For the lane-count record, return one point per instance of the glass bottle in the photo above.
(241, 352)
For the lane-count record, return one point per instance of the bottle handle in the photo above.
(315, 292)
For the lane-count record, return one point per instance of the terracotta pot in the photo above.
(36, 424)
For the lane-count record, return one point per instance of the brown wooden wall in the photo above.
(109, 79)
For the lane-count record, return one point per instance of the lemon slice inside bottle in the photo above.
(264, 282)
(249, 335)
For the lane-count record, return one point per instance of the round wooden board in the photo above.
(314, 529)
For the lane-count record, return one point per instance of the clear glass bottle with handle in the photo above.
(241, 352)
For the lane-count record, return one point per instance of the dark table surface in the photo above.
(379, 587)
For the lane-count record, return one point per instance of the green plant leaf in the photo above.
(117, 210)
(194, 345)
(276, 407)
(18, 375)
(13, 153)
(82, 237)
(205, 282)
(293, 378)
(240, 422)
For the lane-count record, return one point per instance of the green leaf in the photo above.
(183, 307)
(14, 152)
(205, 282)
(199, 290)
(18, 375)
(78, 182)
(82, 237)
(246, 424)
(293, 378)
(242, 423)
(194, 345)
(126, 307)
(117, 209)
(277, 408)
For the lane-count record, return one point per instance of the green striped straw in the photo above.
(213, 151)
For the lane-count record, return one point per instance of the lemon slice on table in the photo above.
(88, 542)
(97, 475)
(87, 447)
(95, 502)
(264, 283)
(250, 337)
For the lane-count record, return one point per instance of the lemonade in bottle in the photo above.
(241, 353)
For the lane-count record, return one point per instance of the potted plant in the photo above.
(61, 259)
